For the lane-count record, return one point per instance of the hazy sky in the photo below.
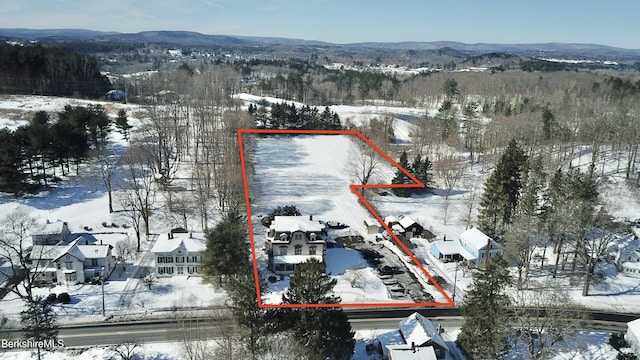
(345, 21)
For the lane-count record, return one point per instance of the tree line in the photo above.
(31, 153)
(288, 116)
(50, 71)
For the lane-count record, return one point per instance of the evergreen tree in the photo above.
(422, 169)
(324, 332)
(502, 191)
(123, 126)
(485, 329)
(244, 306)
(548, 121)
(525, 231)
(448, 116)
(402, 178)
(12, 177)
(227, 252)
(39, 322)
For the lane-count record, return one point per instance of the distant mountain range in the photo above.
(188, 38)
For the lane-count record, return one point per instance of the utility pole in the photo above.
(455, 282)
(102, 284)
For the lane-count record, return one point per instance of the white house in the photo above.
(292, 240)
(472, 245)
(52, 233)
(627, 258)
(371, 226)
(179, 253)
(76, 262)
(633, 335)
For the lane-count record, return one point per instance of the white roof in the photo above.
(294, 259)
(634, 328)
(406, 222)
(371, 222)
(448, 247)
(52, 228)
(390, 219)
(476, 238)
(296, 223)
(404, 352)
(94, 251)
(192, 242)
(419, 330)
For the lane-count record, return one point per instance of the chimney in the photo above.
(191, 235)
(310, 217)
(413, 346)
(445, 237)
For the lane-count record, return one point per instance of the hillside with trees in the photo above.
(42, 70)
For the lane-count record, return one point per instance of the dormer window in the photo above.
(313, 236)
(283, 237)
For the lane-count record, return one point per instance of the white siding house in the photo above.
(292, 240)
(633, 335)
(472, 245)
(52, 233)
(76, 262)
(179, 253)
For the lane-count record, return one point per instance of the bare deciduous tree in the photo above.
(363, 163)
(17, 250)
(124, 250)
(127, 350)
(138, 187)
(544, 316)
(590, 250)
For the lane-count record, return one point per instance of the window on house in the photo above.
(58, 265)
(69, 265)
(312, 237)
(169, 259)
(179, 259)
(70, 277)
(94, 262)
(297, 237)
(312, 250)
(298, 250)
(180, 270)
(283, 250)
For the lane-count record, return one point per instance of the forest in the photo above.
(38, 70)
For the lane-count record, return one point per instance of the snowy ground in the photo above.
(308, 165)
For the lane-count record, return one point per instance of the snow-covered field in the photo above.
(306, 171)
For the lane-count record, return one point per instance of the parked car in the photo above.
(389, 270)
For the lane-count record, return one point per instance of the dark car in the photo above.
(389, 270)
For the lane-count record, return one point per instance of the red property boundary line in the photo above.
(355, 189)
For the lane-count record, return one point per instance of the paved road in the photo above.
(361, 319)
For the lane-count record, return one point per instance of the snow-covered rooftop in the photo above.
(296, 223)
(418, 330)
(475, 238)
(191, 242)
(405, 352)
